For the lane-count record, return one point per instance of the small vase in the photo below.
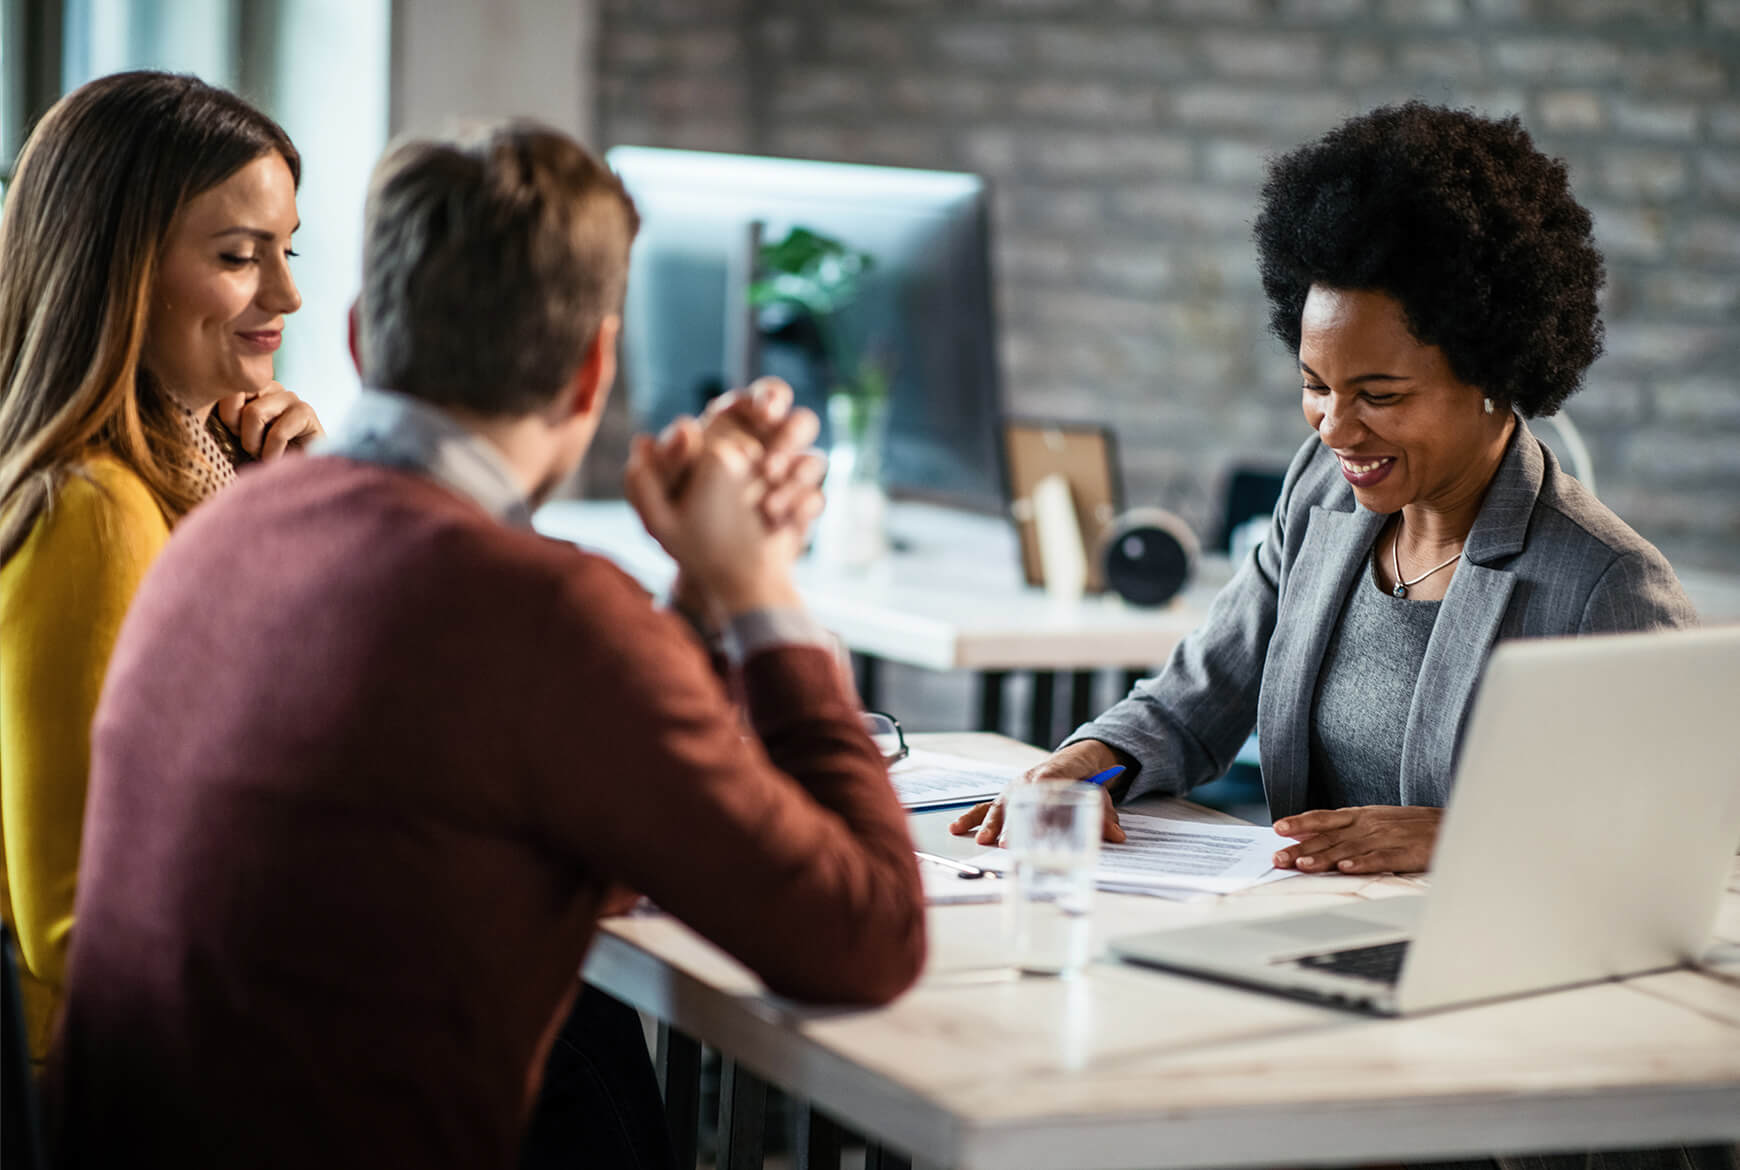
(852, 532)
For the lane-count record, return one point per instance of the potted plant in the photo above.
(803, 295)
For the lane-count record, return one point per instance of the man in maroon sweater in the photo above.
(372, 756)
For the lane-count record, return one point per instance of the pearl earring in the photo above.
(1488, 402)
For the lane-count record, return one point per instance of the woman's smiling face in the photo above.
(1404, 427)
(224, 287)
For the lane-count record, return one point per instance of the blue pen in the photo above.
(1111, 773)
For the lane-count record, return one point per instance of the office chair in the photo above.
(1251, 494)
(1569, 445)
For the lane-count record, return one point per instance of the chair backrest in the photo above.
(20, 1129)
(1250, 491)
(1562, 435)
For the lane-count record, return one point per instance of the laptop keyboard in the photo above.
(1379, 964)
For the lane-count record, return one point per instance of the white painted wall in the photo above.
(507, 58)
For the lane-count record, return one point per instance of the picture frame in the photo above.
(1085, 454)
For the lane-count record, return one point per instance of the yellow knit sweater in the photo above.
(62, 597)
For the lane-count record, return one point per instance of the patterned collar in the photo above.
(390, 429)
(214, 468)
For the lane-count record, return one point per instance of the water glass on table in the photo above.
(1052, 832)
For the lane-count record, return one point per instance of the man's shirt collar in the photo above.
(390, 429)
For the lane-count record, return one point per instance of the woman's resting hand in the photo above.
(1067, 765)
(1373, 838)
(269, 423)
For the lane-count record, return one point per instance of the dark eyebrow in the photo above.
(1361, 378)
(260, 234)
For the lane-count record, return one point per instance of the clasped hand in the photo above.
(269, 423)
(1373, 838)
(731, 495)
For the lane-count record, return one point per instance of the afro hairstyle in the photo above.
(1464, 222)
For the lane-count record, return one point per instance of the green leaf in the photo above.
(821, 276)
(806, 268)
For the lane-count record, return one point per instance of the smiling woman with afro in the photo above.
(1436, 283)
(1464, 223)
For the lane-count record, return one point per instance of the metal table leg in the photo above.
(819, 1139)
(868, 672)
(1081, 698)
(882, 1158)
(1041, 708)
(991, 699)
(742, 1115)
(679, 1070)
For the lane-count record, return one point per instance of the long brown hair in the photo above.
(87, 215)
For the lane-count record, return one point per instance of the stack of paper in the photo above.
(937, 780)
(1178, 859)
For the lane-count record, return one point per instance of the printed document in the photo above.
(936, 779)
(1177, 858)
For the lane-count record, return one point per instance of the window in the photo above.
(14, 96)
(184, 36)
(326, 63)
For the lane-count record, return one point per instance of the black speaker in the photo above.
(1147, 556)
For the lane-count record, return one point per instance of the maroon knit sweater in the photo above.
(366, 767)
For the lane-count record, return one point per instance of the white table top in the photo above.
(1127, 1067)
(950, 597)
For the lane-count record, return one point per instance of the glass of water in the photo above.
(1052, 831)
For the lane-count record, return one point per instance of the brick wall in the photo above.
(1125, 140)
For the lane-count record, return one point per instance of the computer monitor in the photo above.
(926, 304)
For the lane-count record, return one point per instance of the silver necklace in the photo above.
(1401, 589)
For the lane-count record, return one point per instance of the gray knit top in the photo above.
(1363, 694)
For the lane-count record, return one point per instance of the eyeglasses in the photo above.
(885, 733)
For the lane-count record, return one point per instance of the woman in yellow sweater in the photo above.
(144, 282)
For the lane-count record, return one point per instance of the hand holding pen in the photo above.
(1088, 761)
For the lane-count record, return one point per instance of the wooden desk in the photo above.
(1128, 1067)
(951, 597)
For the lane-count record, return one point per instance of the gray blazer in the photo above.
(1544, 558)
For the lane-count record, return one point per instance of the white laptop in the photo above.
(1590, 834)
